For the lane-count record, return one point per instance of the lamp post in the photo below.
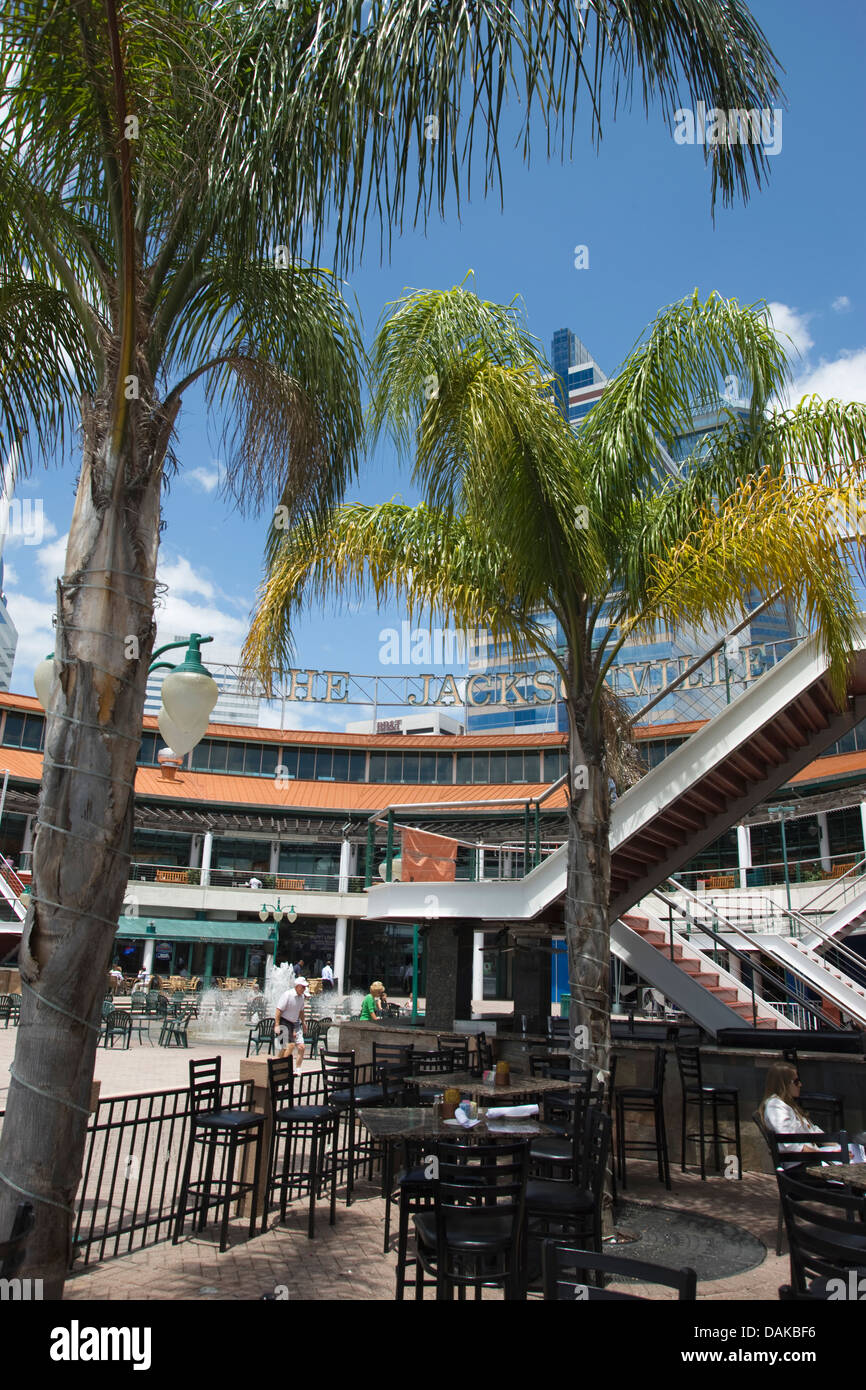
(276, 915)
(189, 692)
(781, 814)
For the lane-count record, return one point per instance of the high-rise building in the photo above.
(234, 706)
(8, 638)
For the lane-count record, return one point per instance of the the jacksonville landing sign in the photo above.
(530, 688)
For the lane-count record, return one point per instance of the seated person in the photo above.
(371, 1008)
(783, 1113)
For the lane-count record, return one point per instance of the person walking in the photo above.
(327, 977)
(289, 1021)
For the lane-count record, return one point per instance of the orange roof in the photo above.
(211, 787)
(690, 726)
(233, 790)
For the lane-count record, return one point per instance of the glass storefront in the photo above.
(383, 951)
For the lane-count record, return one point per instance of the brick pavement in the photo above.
(346, 1261)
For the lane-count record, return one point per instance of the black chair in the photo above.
(559, 1032)
(261, 1035)
(348, 1090)
(823, 1107)
(437, 1063)
(826, 1237)
(644, 1100)
(793, 1162)
(412, 1191)
(298, 1126)
(473, 1236)
(458, 1045)
(695, 1093)
(556, 1207)
(483, 1054)
(558, 1154)
(227, 1131)
(565, 1275)
(117, 1024)
(319, 1027)
(395, 1062)
(13, 1250)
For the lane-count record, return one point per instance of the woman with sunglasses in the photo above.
(783, 1113)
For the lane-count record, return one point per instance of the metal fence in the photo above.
(133, 1166)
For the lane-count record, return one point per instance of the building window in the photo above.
(24, 731)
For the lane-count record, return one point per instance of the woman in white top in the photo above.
(783, 1113)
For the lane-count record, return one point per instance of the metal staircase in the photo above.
(708, 993)
(756, 745)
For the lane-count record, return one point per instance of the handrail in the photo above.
(732, 632)
(809, 926)
(836, 883)
(741, 956)
(18, 885)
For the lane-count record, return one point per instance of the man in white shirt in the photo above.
(254, 883)
(289, 1020)
(327, 977)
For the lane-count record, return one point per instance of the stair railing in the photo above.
(744, 958)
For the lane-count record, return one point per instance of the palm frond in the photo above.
(46, 367)
(771, 533)
(282, 356)
(434, 563)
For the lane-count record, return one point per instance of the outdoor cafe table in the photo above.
(852, 1174)
(398, 1124)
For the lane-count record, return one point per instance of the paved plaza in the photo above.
(346, 1261)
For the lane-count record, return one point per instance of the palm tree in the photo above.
(169, 176)
(524, 516)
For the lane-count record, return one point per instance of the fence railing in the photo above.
(133, 1165)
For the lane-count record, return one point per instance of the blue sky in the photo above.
(641, 205)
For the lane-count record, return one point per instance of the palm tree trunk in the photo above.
(587, 898)
(81, 856)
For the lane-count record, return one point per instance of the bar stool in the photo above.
(644, 1100)
(226, 1130)
(346, 1094)
(316, 1122)
(696, 1093)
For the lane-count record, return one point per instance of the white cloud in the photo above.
(790, 324)
(842, 304)
(843, 378)
(33, 619)
(181, 578)
(51, 560)
(207, 479)
(10, 575)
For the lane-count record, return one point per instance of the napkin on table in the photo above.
(512, 1112)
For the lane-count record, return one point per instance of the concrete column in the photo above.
(340, 955)
(207, 851)
(449, 974)
(345, 867)
(479, 863)
(274, 866)
(744, 852)
(27, 844)
(147, 958)
(824, 840)
(863, 822)
(477, 966)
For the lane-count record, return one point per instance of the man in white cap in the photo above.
(289, 1020)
